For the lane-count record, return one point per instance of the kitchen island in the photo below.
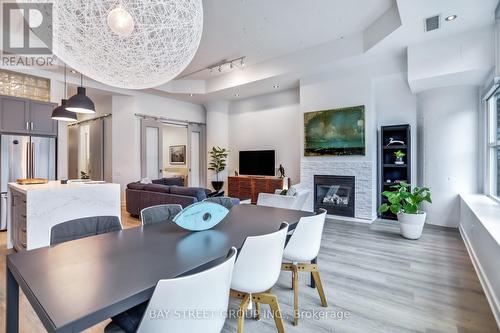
(35, 209)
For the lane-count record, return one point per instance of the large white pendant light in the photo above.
(133, 44)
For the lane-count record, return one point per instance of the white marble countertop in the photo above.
(487, 211)
(52, 203)
(54, 185)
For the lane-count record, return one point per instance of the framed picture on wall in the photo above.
(335, 132)
(178, 154)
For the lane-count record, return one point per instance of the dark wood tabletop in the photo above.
(75, 285)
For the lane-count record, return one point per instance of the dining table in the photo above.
(77, 284)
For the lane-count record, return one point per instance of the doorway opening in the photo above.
(173, 150)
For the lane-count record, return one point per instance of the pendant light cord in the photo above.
(65, 83)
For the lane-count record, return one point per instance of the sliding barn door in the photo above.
(151, 149)
(197, 161)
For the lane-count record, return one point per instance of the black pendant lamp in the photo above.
(60, 112)
(80, 103)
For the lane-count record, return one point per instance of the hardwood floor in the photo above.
(377, 280)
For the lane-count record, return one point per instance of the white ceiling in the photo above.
(285, 40)
(266, 29)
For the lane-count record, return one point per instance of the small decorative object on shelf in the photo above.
(218, 164)
(392, 141)
(84, 175)
(236, 174)
(281, 169)
(395, 159)
(399, 157)
(406, 203)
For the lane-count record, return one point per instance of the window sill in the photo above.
(487, 211)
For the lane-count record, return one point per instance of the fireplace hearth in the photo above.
(335, 194)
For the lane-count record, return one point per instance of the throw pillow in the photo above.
(146, 181)
(291, 191)
(215, 194)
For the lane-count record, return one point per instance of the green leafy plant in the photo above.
(404, 199)
(399, 154)
(219, 156)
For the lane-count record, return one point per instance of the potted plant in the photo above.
(399, 157)
(218, 164)
(406, 202)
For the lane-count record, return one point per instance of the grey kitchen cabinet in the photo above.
(41, 118)
(14, 115)
(18, 220)
(24, 116)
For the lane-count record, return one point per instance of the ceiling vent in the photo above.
(432, 23)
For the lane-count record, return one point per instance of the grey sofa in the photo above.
(140, 196)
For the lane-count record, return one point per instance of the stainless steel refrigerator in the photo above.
(24, 157)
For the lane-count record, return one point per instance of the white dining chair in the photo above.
(224, 201)
(256, 271)
(159, 213)
(302, 247)
(205, 294)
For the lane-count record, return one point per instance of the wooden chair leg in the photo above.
(242, 311)
(295, 278)
(313, 284)
(319, 286)
(257, 311)
(275, 309)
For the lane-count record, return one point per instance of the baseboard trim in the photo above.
(350, 219)
(490, 296)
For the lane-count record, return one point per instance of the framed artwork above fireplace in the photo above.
(335, 132)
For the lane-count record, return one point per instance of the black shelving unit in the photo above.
(391, 173)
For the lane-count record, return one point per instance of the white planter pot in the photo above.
(411, 225)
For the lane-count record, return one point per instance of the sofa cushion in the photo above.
(173, 181)
(157, 188)
(198, 193)
(136, 186)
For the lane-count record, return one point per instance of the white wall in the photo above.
(448, 119)
(268, 122)
(340, 92)
(217, 114)
(396, 105)
(465, 58)
(127, 130)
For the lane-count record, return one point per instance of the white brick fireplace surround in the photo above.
(365, 179)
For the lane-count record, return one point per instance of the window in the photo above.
(494, 145)
(26, 86)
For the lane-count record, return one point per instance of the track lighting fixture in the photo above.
(220, 66)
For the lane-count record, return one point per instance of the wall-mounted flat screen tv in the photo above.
(257, 163)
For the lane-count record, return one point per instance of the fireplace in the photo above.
(335, 194)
